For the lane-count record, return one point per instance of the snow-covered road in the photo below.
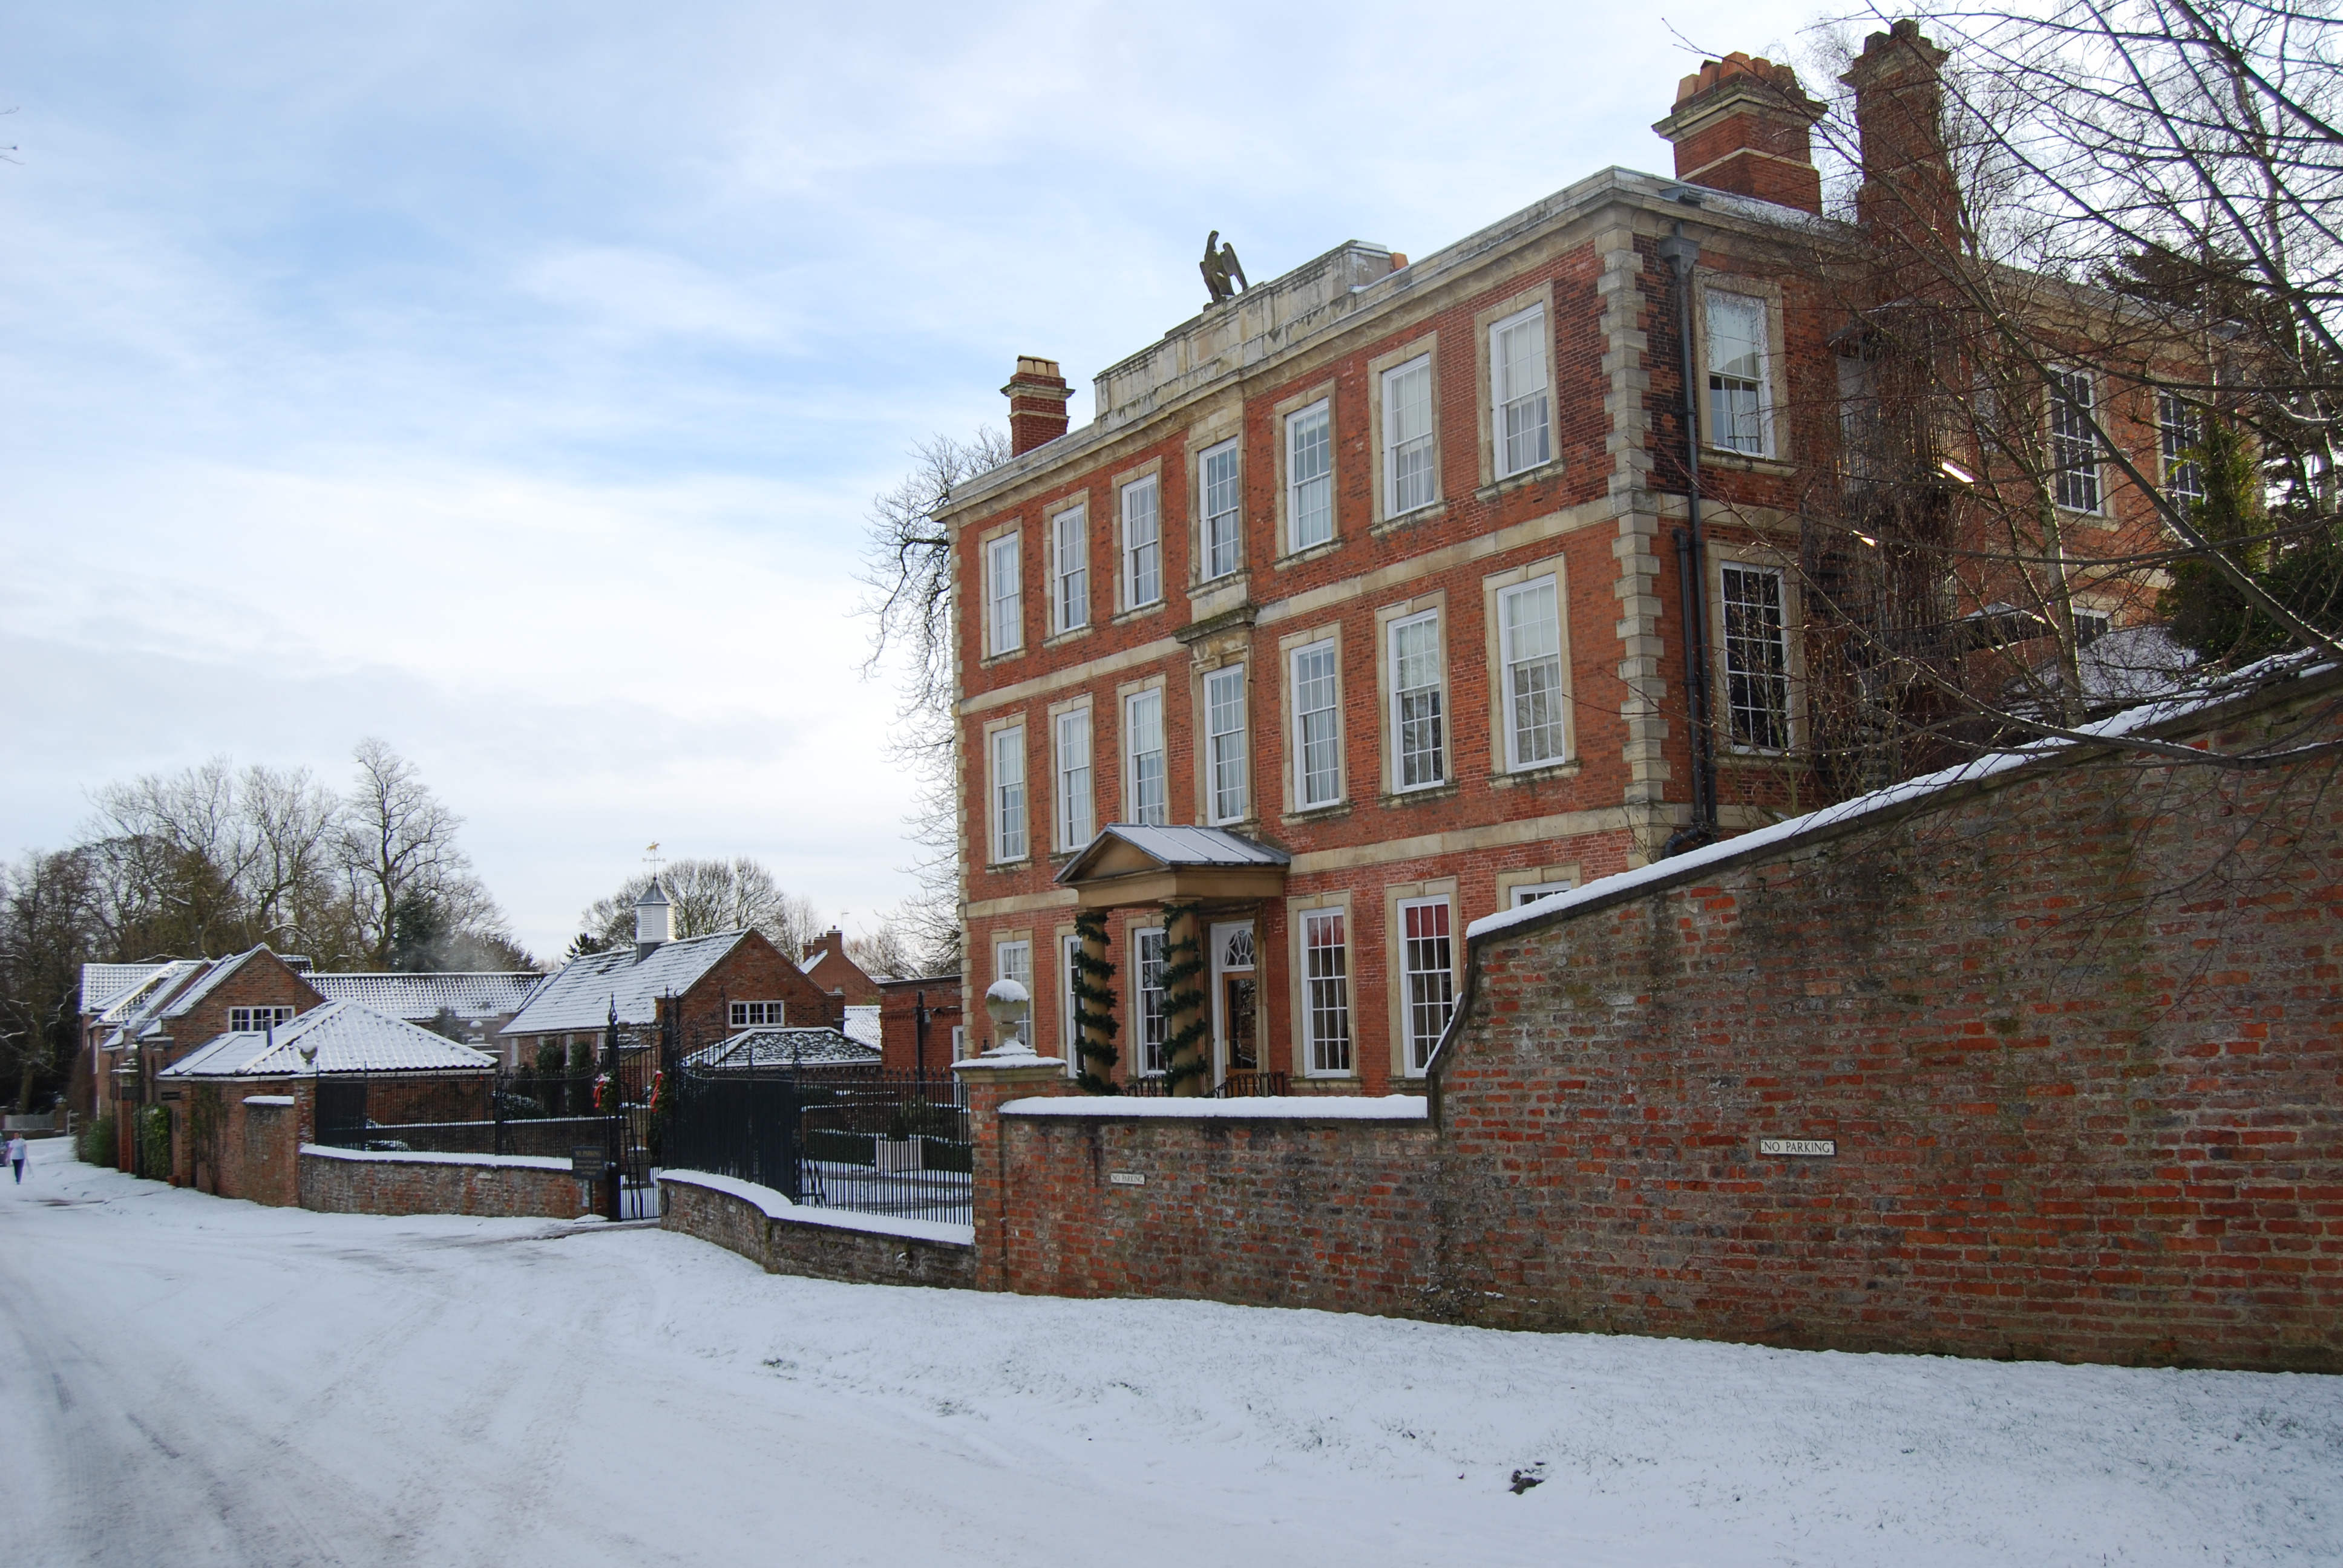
(189, 1380)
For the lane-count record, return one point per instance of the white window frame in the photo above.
(258, 1019)
(1760, 444)
(1541, 394)
(1526, 893)
(1221, 504)
(1304, 800)
(1729, 644)
(1077, 809)
(1151, 1026)
(1327, 996)
(1143, 542)
(1441, 741)
(1004, 594)
(2077, 468)
(1137, 807)
(1227, 765)
(758, 1014)
(1416, 1047)
(1509, 683)
(1320, 414)
(1002, 745)
(1068, 946)
(1422, 483)
(1070, 569)
(2179, 424)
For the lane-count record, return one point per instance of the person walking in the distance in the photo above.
(16, 1155)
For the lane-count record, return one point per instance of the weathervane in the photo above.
(654, 859)
(1223, 275)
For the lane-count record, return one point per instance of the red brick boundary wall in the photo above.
(1288, 1202)
(2062, 1050)
(512, 1186)
(782, 1238)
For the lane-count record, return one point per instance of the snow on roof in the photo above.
(102, 985)
(1177, 847)
(150, 992)
(581, 995)
(862, 1024)
(475, 995)
(347, 1037)
(1681, 867)
(185, 1003)
(786, 1047)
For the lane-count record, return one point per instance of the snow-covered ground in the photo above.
(186, 1381)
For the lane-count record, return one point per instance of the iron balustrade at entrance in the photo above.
(849, 1138)
(1236, 1086)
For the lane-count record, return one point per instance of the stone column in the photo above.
(996, 1202)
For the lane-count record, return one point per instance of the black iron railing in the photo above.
(871, 1142)
(1236, 1086)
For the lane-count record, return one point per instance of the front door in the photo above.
(1236, 1002)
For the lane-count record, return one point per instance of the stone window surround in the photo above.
(992, 794)
(1426, 347)
(1289, 719)
(1501, 743)
(1124, 609)
(1387, 699)
(999, 940)
(986, 657)
(1124, 693)
(1216, 429)
(1133, 1041)
(1395, 962)
(1535, 875)
(1723, 553)
(1321, 391)
(1483, 373)
(1768, 292)
(1298, 980)
(1205, 664)
(1079, 502)
(1081, 703)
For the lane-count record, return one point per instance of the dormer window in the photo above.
(253, 1019)
(756, 1014)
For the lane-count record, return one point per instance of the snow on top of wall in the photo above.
(1254, 1108)
(268, 1100)
(776, 1205)
(422, 1156)
(1677, 868)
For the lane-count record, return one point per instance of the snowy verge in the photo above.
(1258, 1108)
(776, 1205)
(1680, 868)
(268, 1100)
(418, 1157)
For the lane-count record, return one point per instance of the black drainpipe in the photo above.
(1682, 255)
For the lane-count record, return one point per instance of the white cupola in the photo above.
(653, 928)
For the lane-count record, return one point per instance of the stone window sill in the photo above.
(1315, 552)
(1538, 775)
(1436, 512)
(1428, 793)
(1746, 463)
(1521, 481)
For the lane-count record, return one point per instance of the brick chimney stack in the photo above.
(1741, 125)
(1899, 105)
(1037, 404)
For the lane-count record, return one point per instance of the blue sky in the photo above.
(510, 380)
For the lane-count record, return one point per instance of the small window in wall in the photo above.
(1427, 961)
(251, 1020)
(1756, 658)
(1224, 741)
(2074, 445)
(1317, 727)
(1736, 373)
(1419, 727)
(1409, 480)
(1310, 476)
(1070, 569)
(756, 1014)
(1529, 629)
(1009, 795)
(959, 1042)
(1517, 393)
(1326, 985)
(2179, 426)
(1531, 892)
(1014, 961)
(2090, 625)
(1004, 613)
(1142, 730)
(1223, 511)
(1142, 544)
(1074, 827)
(1154, 1025)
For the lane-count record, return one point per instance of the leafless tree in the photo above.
(908, 571)
(400, 858)
(709, 896)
